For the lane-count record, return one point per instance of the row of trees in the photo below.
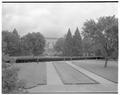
(99, 38)
(70, 45)
(30, 44)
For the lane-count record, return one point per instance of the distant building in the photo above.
(50, 42)
(49, 48)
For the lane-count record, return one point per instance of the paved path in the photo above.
(54, 83)
(52, 76)
(96, 88)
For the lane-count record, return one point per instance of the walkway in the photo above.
(52, 76)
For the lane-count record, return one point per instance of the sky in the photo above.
(52, 19)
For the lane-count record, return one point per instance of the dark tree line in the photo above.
(70, 45)
(30, 44)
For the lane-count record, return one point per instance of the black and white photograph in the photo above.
(59, 47)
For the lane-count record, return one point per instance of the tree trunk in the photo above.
(106, 61)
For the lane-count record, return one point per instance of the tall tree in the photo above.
(18, 44)
(77, 43)
(68, 44)
(102, 33)
(112, 34)
(12, 43)
(15, 32)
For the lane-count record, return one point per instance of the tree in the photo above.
(68, 44)
(112, 34)
(102, 33)
(12, 41)
(59, 45)
(33, 43)
(87, 43)
(109, 27)
(77, 43)
(4, 47)
(15, 32)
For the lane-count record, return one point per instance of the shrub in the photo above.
(10, 81)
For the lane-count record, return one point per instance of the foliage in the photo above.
(112, 35)
(30, 44)
(68, 44)
(77, 44)
(59, 45)
(33, 43)
(104, 33)
(10, 81)
(10, 42)
(87, 43)
(4, 46)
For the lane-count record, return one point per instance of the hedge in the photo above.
(53, 58)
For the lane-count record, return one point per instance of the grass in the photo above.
(97, 67)
(32, 73)
(71, 76)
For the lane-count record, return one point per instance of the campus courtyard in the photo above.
(76, 76)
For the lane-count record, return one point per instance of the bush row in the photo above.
(45, 59)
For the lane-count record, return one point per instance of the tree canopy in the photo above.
(59, 45)
(33, 43)
(104, 33)
(12, 41)
(30, 44)
(77, 43)
(70, 45)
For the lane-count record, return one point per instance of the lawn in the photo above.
(69, 75)
(32, 73)
(97, 67)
